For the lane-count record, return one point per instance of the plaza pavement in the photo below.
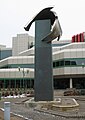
(21, 112)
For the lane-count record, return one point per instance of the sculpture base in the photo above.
(58, 104)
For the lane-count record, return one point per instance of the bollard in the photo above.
(6, 110)
(0, 95)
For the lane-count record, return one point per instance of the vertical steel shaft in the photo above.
(43, 82)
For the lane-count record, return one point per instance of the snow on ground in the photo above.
(15, 96)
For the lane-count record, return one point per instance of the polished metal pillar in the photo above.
(43, 82)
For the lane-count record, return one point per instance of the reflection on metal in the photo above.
(56, 32)
(45, 14)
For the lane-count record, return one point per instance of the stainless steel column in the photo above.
(43, 82)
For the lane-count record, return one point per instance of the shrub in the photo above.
(6, 94)
(3, 94)
(16, 93)
(11, 93)
(20, 93)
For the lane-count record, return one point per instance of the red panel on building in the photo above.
(79, 37)
(73, 38)
(76, 39)
(82, 37)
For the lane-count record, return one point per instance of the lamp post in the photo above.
(28, 72)
(23, 78)
(83, 66)
(23, 73)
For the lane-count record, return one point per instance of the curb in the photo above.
(58, 114)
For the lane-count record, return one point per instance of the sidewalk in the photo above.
(12, 117)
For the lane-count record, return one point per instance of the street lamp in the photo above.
(83, 66)
(23, 73)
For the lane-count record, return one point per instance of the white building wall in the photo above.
(21, 43)
(15, 46)
(15, 73)
(77, 52)
(2, 47)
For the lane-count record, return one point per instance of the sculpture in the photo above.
(56, 30)
(47, 28)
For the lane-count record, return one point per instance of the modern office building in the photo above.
(68, 64)
(5, 52)
(21, 43)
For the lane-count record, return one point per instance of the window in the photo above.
(61, 63)
(67, 62)
(73, 62)
(54, 65)
(57, 63)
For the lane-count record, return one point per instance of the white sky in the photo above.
(14, 15)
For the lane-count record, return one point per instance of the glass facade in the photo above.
(17, 83)
(69, 62)
(28, 82)
(18, 65)
(58, 63)
(5, 54)
(78, 83)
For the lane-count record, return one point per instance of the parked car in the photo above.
(82, 92)
(71, 92)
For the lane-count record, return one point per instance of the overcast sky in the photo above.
(14, 15)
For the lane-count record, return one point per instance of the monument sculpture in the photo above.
(47, 28)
